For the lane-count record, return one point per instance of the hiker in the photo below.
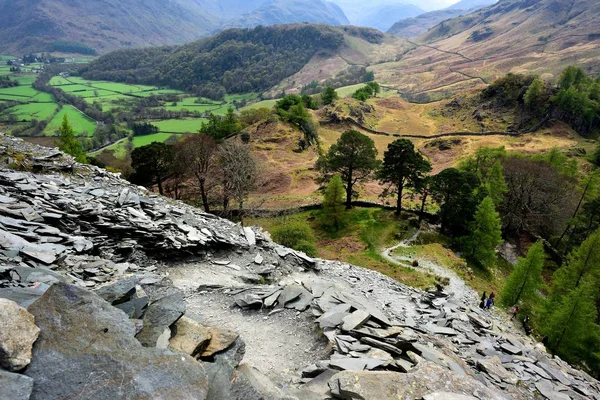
(489, 302)
(492, 296)
(515, 311)
(526, 325)
(483, 299)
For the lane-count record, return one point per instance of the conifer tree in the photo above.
(69, 143)
(333, 203)
(486, 234)
(572, 320)
(526, 277)
(495, 183)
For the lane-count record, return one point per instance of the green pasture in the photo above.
(78, 121)
(179, 125)
(28, 112)
(140, 141)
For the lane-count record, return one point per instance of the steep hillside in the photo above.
(33, 25)
(241, 60)
(384, 17)
(412, 27)
(291, 11)
(540, 37)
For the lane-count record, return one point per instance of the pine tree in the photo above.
(495, 183)
(329, 95)
(526, 277)
(69, 143)
(486, 234)
(333, 203)
(572, 320)
(582, 266)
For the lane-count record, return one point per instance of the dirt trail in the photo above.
(457, 287)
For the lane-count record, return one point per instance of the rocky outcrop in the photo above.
(87, 349)
(18, 332)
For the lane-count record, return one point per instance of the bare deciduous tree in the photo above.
(239, 173)
(199, 153)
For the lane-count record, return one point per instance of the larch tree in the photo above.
(69, 143)
(354, 157)
(526, 278)
(495, 183)
(572, 319)
(402, 167)
(486, 234)
(333, 203)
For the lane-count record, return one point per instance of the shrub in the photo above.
(296, 235)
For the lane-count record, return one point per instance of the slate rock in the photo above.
(221, 369)
(425, 379)
(23, 296)
(86, 346)
(448, 396)
(18, 332)
(134, 308)
(549, 391)
(248, 383)
(355, 320)
(189, 337)
(15, 386)
(334, 317)
(118, 292)
(290, 293)
(220, 340)
(510, 349)
(494, 368)
(160, 315)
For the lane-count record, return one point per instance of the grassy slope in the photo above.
(366, 233)
(78, 121)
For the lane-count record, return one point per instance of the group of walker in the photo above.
(487, 302)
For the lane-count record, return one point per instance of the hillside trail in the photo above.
(457, 286)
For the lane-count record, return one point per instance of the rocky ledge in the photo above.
(109, 291)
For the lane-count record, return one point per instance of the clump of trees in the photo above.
(371, 89)
(223, 172)
(293, 109)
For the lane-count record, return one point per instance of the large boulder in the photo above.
(159, 316)
(189, 337)
(18, 332)
(15, 386)
(428, 378)
(87, 349)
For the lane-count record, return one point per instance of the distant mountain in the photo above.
(471, 4)
(34, 25)
(521, 36)
(413, 27)
(290, 11)
(383, 17)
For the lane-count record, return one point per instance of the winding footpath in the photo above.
(457, 287)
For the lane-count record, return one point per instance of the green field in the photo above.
(21, 91)
(261, 104)
(78, 121)
(179, 125)
(140, 141)
(27, 112)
